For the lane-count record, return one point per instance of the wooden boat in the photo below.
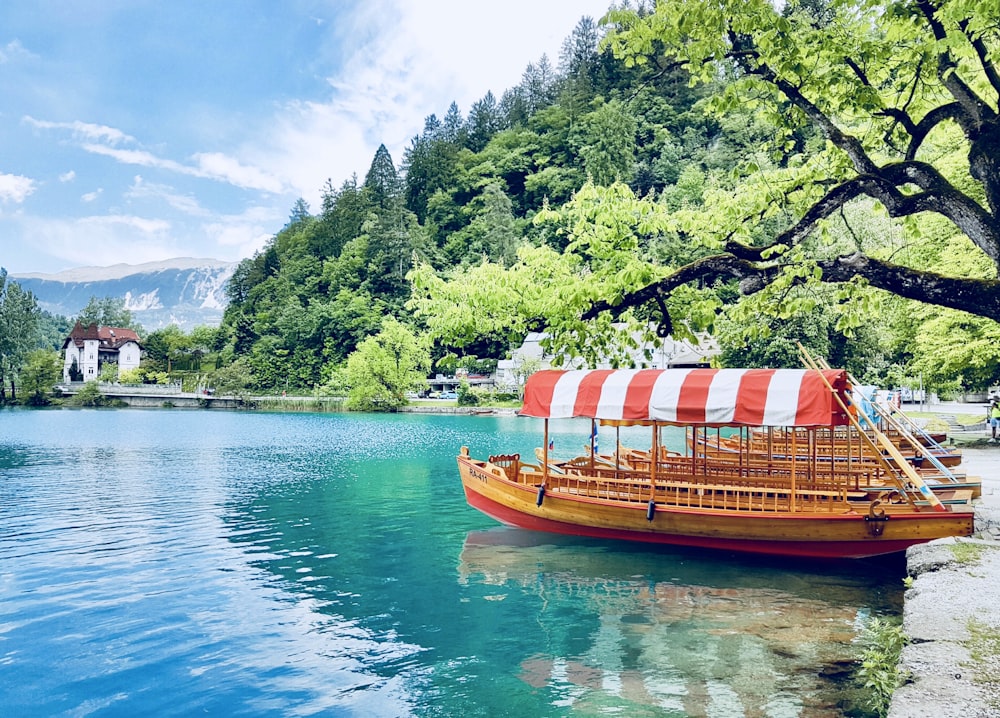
(837, 446)
(841, 443)
(790, 506)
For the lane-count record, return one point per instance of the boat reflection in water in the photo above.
(681, 633)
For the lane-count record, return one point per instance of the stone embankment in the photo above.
(952, 612)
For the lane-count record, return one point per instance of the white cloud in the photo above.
(84, 130)
(187, 204)
(14, 50)
(244, 234)
(15, 188)
(135, 157)
(67, 176)
(313, 142)
(91, 196)
(102, 240)
(209, 165)
(103, 140)
(228, 169)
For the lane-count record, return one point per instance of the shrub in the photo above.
(89, 395)
(467, 396)
(883, 642)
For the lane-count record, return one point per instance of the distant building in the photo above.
(671, 354)
(88, 349)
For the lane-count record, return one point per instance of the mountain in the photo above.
(182, 291)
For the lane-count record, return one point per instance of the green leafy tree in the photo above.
(492, 234)
(954, 350)
(483, 122)
(430, 163)
(235, 379)
(41, 372)
(607, 143)
(166, 346)
(19, 315)
(89, 395)
(53, 330)
(385, 367)
(578, 61)
(133, 376)
(108, 373)
(336, 383)
(108, 312)
(904, 95)
(382, 183)
(467, 396)
(344, 211)
(300, 212)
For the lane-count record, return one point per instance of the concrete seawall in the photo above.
(152, 395)
(182, 400)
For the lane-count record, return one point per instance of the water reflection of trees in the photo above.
(682, 636)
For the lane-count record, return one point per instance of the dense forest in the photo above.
(771, 177)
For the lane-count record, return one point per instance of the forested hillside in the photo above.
(661, 177)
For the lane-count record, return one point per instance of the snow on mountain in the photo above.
(183, 291)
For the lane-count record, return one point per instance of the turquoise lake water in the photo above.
(169, 562)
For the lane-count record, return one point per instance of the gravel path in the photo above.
(952, 611)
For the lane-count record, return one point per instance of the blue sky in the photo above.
(139, 130)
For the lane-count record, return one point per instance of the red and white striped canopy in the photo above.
(722, 397)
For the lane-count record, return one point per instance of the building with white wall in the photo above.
(90, 348)
(671, 354)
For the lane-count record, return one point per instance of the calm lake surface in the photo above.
(196, 562)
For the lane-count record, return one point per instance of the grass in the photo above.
(984, 652)
(933, 417)
(968, 553)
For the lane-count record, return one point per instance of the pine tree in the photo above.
(382, 181)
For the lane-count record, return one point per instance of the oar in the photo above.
(887, 415)
(901, 462)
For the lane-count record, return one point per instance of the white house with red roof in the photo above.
(90, 348)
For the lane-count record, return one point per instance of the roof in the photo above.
(717, 397)
(109, 337)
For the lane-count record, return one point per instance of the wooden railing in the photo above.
(730, 488)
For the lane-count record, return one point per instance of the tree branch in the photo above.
(976, 296)
(932, 119)
(939, 196)
(713, 267)
(976, 111)
(983, 53)
(749, 60)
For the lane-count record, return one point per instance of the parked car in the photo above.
(908, 395)
(449, 395)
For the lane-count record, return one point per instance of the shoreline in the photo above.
(951, 610)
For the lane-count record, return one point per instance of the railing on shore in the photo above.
(113, 387)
